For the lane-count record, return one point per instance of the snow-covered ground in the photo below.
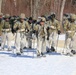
(28, 64)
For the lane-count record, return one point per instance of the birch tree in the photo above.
(0, 5)
(61, 13)
(31, 7)
(36, 8)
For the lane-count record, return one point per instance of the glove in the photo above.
(27, 30)
(59, 32)
(17, 28)
(47, 28)
(34, 31)
(47, 38)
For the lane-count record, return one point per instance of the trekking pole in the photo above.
(57, 42)
(64, 46)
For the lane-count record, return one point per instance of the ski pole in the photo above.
(57, 42)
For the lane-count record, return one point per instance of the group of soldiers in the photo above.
(42, 31)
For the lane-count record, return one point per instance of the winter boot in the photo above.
(52, 49)
(48, 50)
(43, 55)
(0, 44)
(21, 50)
(25, 47)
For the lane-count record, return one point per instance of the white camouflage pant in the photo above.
(41, 45)
(52, 40)
(23, 42)
(6, 38)
(20, 41)
(69, 44)
(34, 41)
(29, 40)
(17, 42)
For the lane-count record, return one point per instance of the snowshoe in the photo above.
(43, 55)
(52, 49)
(9, 50)
(30, 47)
(25, 48)
(18, 54)
(38, 56)
(73, 51)
(48, 51)
(68, 54)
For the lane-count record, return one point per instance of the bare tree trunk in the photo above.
(62, 9)
(36, 8)
(31, 7)
(0, 5)
(61, 14)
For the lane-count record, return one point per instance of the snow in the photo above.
(62, 37)
(53, 64)
(28, 64)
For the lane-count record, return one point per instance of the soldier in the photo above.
(42, 33)
(34, 33)
(12, 21)
(70, 29)
(6, 32)
(20, 28)
(29, 37)
(1, 19)
(53, 29)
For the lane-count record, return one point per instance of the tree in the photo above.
(61, 13)
(31, 7)
(36, 8)
(0, 5)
